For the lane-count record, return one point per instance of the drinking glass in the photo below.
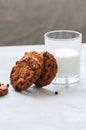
(65, 45)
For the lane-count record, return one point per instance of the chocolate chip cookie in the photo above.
(25, 73)
(35, 54)
(49, 70)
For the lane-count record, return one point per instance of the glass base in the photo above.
(66, 80)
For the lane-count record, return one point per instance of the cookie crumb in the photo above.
(3, 89)
(56, 92)
(8, 85)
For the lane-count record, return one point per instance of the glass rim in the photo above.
(63, 39)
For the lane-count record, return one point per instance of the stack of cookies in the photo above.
(33, 68)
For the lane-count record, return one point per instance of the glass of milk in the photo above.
(65, 45)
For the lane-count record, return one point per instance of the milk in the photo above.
(66, 46)
(68, 62)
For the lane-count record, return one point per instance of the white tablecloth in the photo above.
(41, 109)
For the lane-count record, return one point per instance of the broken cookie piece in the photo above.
(3, 89)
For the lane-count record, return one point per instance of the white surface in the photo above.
(41, 109)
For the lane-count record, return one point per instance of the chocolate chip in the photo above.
(26, 52)
(46, 70)
(28, 83)
(49, 65)
(17, 89)
(7, 85)
(22, 84)
(41, 76)
(17, 62)
(33, 69)
(44, 55)
(56, 67)
(56, 92)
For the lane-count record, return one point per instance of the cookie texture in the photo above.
(35, 54)
(49, 70)
(25, 73)
(3, 89)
